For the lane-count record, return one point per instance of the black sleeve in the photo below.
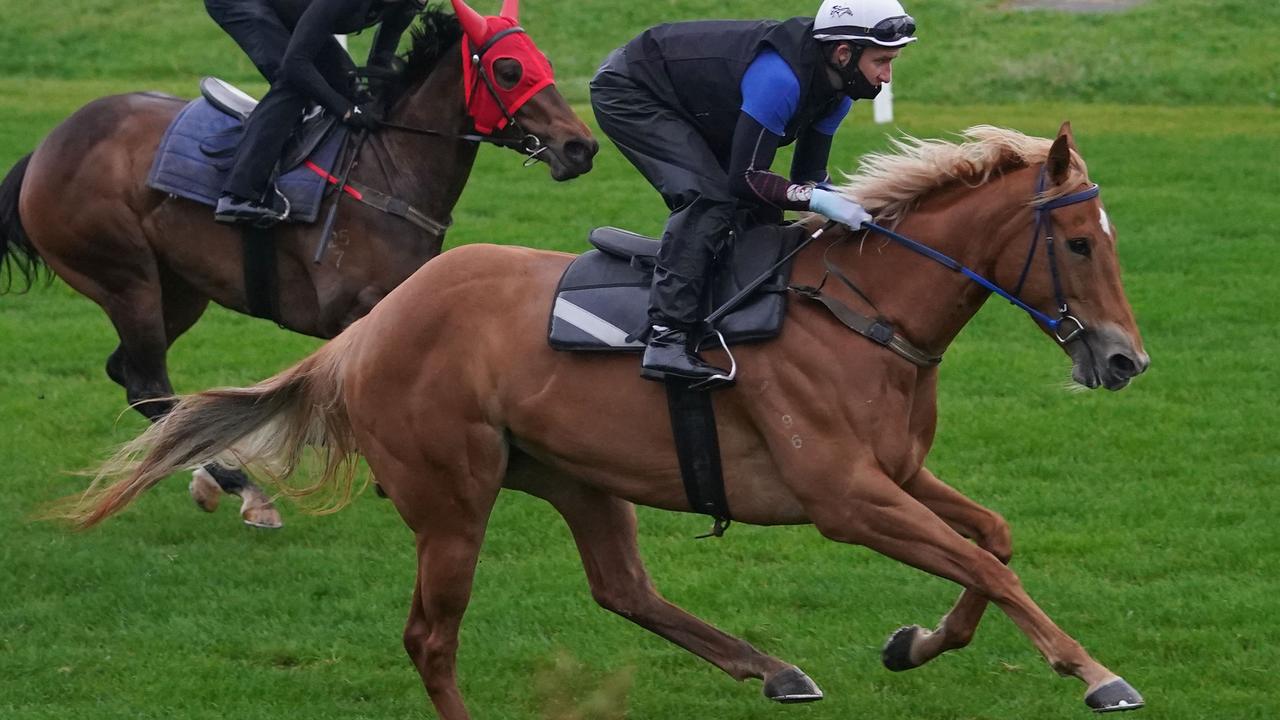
(311, 35)
(387, 37)
(809, 164)
(750, 179)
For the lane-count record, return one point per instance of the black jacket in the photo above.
(697, 68)
(315, 22)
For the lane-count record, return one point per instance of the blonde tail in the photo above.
(266, 426)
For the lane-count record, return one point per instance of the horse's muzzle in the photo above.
(1106, 357)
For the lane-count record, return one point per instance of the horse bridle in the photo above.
(1044, 222)
(529, 144)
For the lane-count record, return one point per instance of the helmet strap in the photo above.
(856, 85)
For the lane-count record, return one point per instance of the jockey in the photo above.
(700, 108)
(291, 43)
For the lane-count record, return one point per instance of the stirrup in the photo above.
(718, 380)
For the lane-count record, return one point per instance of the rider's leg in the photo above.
(678, 161)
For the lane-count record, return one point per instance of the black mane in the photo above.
(435, 33)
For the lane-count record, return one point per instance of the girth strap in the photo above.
(260, 283)
(693, 423)
(878, 331)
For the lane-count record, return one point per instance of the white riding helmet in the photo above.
(873, 22)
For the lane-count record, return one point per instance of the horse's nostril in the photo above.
(1122, 365)
(580, 152)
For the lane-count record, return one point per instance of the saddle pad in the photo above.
(196, 151)
(602, 301)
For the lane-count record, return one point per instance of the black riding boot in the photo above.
(669, 354)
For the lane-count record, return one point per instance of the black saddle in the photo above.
(602, 300)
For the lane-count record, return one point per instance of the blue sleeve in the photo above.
(828, 124)
(771, 92)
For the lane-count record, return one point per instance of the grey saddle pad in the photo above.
(602, 301)
(197, 149)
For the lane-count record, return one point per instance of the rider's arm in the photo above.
(312, 34)
(754, 147)
(387, 37)
(813, 148)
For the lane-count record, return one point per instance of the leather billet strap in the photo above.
(879, 331)
(399, 208)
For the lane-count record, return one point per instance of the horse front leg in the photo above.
(604, 529)
(912, 646)
(876, 513)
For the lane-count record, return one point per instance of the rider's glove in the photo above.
(839, 208)
(363, 117)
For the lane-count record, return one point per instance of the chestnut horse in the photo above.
(450, 391)
(80, 204)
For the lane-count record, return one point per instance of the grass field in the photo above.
(1143, 521)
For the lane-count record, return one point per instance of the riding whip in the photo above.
(329, 220)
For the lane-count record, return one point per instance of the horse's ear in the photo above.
(511, 9)
(1065, 132)
(473, 23)
(1059, 161)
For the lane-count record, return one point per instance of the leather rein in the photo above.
(1065, 327)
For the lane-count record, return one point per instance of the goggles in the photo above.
(888, 30)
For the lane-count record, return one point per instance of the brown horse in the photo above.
(80, 204)
(450, 391)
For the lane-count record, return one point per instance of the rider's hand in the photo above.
(839, 208)
(363, 117)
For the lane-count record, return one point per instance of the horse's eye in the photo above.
(508, 72)
(1079, 246)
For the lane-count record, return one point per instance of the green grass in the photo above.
(1164, 51)
(1142, 520)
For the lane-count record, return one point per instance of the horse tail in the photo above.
(16, 250)
(266, 426)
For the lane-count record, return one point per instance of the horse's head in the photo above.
(1076, 272)
(510, 92)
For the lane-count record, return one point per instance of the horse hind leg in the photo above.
(604, 529)
(148, 318)
(912, 646)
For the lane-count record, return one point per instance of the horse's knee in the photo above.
(996, 538)
(992, 578)
(622, 598)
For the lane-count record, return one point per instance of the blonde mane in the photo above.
(890, 183)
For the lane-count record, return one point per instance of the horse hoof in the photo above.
(260, 513)
(791, 686)
(1115, 696)
(204, 490)
(896, 653)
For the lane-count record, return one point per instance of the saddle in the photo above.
(602, 300)
(198, 147)
(602, 305)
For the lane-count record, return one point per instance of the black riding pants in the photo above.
(273, 121)
(673, 156)
(256, 28)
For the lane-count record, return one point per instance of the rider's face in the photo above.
(876, 64)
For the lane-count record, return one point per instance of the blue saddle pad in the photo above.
(196, 151)
(602, 301)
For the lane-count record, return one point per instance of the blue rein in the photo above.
(1044, 222)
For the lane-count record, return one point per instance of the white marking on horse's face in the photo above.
(1106, 223)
